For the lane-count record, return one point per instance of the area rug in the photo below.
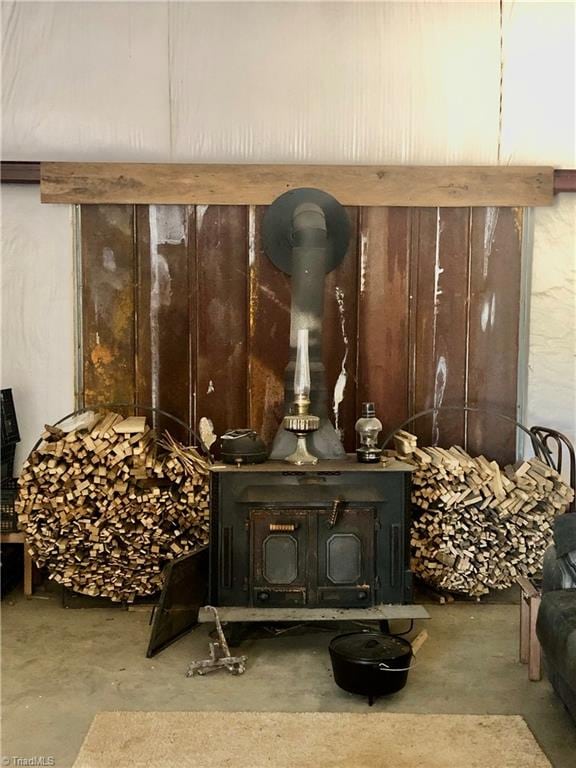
(307, 740)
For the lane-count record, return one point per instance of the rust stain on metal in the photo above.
(269, 332)
(108, 265)
(383, 314)
(253, 301)
(224, 323)
(518, 217)
(340, 386)
(267, 400)
(101, 355)
(123, 313)
(222, 318)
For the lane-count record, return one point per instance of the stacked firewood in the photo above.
(104, 504)
(476, 526)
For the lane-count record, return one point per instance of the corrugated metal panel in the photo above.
(165, 310)
(495, 282)
(439, 313)
(268, 330)
(402, 326)
(108, 305)
(222, 318)
(384, 300)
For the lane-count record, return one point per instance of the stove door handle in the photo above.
(283, 527)
(311, 480)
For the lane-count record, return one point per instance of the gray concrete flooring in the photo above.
(62, 666)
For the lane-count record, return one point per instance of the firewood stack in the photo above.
(104, 505)
(475, 526)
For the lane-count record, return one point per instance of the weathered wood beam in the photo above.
(15, 172)
(160, 183)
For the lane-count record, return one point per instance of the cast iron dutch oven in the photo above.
(370, 663)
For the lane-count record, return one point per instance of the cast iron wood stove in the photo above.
(335, 534)
(313, 528)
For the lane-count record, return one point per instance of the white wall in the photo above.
(396, 82)
(37, 311)
(216, 82)
(552, 348)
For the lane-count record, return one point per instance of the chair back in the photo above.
(550, 446)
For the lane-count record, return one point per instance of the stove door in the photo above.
(346, 564)
(279, 542)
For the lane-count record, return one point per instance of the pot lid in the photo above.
(370, 646)
(242, 442)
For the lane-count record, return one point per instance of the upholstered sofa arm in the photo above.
(555, 575)
(560, 558)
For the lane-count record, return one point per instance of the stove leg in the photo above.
(370, 700)
(236, 633)
(384, 626)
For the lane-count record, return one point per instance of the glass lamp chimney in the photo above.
(302, 370)
(368, 428)
(300, 421)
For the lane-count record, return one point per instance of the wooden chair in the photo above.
(550, 446)
(530, 651)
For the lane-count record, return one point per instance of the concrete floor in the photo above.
(62, 666)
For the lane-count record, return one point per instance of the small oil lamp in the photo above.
(300, 422)
(368, 428)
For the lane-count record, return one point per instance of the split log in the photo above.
(105, 505)
(475, 526)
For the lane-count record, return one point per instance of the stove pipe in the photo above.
(309, 249)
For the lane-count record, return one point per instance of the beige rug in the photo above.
(307, 740)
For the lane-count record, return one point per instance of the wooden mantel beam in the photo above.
(363, 185)
(21, 172)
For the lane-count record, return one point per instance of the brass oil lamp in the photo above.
(300, 422)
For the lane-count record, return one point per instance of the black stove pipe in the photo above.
(308, 268)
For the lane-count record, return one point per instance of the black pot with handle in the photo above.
(242, 446)
(370, 664)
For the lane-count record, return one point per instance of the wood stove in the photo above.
(335, 534)
(313, 528)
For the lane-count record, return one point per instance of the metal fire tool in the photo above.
(333, 517)
(220, 657)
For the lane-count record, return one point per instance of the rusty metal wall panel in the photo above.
(108, 308)
(222, 319)
(440, 261)
(496, 239)
(384, 300)
(163, 349)
(422, 312)
(269, 332)
(340, 337)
